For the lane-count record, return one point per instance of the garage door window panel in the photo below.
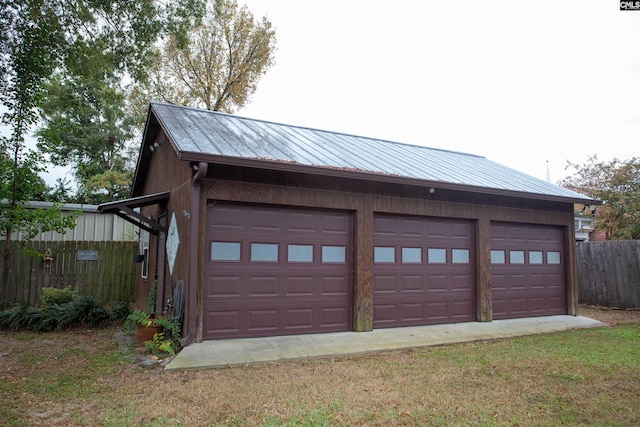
(497, 257)
(334, 254)
(384, 254)
(225, 251)
(516, 257)
(535, 257)
(300, 253)
(460, 256)
(553, 257)
(411, 255)
(264, 252)
(437, 256)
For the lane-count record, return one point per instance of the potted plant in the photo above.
(167, 342)
(145, 326)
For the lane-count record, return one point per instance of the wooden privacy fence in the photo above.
(103, 270)
(609, 273)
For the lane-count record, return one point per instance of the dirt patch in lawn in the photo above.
(610, 316)
(571, 378)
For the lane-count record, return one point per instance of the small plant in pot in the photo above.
(160, 335)
(145, 326)
(167, 342)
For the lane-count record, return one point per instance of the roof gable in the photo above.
(204, 135)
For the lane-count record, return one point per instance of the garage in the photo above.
(528, 270)
(278, 229)
(423, 271)
(276, 271)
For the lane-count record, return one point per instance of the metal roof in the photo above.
(213, 136)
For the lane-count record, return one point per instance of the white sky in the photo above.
(519, 82)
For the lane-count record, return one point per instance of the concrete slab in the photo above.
(235, 352)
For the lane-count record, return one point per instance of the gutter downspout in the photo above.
(194, 255)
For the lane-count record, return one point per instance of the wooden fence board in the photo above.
(110, 278)
(609, 273)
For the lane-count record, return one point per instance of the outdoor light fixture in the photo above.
(156, 144)
(432, 190)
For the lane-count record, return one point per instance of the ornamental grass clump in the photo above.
(61, 309)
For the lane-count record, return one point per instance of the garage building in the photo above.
(277, 229)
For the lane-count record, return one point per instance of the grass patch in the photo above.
(580, 377)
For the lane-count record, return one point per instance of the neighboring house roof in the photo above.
(90, 225)
(202, 135)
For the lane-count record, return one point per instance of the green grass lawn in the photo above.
(580, 377)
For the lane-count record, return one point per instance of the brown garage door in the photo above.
(276, 271)
(423, 271)
(527, 268)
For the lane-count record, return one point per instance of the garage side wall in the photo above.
(166, 173)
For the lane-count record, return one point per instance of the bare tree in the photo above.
(220, 66)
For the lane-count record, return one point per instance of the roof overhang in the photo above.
(372, 176)
(125, 209)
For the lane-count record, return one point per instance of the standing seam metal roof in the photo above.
(203, 132)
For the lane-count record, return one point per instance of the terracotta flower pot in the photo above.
(146, 333)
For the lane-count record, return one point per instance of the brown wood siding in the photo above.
(166, 173)
(298, 180)
(363, 274)
(483, 267)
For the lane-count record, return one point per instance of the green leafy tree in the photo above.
(40, 39)
(220, 66)
(617, 184)
(85, 126)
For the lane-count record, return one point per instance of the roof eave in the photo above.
(372, 176)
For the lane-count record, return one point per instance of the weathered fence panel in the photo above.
(609, 273)
(108, 277)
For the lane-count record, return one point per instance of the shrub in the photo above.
(82, 311)
(120, 310)
(53, 296)
(13, 318)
